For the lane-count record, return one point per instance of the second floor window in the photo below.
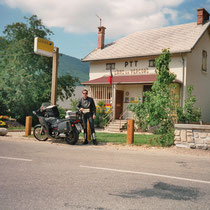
(204, 61)
(110, 66)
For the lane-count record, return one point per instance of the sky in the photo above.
(75, 22)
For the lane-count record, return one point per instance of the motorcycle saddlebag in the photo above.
(64, 126)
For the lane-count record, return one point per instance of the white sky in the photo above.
(119, 16)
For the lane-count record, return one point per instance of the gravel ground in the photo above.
(19, 136)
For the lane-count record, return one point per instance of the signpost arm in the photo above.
(54, 76)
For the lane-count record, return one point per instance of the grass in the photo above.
(16, 128)
(116, 138)
(119, 138)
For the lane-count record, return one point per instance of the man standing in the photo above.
(87, 106)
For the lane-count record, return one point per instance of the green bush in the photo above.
(73, 104)
(62, 112)
(189, 113)
(102, 117)
(166, 139)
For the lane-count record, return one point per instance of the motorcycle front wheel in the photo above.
(73, 137)
(39, 133)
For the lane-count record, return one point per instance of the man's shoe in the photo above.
(95, 142)
(85, 142)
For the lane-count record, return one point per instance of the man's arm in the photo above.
(93, 107)
(79, 104)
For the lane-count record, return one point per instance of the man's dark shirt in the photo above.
(87, 103)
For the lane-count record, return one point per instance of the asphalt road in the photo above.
(42, 175)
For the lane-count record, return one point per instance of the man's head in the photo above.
(85, 93)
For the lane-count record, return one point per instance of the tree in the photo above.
(25, 76)
(159, 106)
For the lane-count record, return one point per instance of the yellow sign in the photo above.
(43, 47)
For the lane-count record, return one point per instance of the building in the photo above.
(131, 62)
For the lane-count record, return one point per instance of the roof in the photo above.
(135, 79)
(180, 38)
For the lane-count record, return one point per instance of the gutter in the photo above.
(183, 77)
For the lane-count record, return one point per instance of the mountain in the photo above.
(74, 67)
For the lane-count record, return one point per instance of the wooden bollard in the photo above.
(130, 131)
(88, 131)
(28, 125)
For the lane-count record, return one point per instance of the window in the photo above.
(204, 60)
(101, 93)
(110, 66)
(151, 63)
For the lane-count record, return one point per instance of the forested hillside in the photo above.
(74, 67)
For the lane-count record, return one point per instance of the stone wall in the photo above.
(192, 136)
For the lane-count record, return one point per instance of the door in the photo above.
(119, 103)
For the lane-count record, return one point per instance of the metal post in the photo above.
(54, 76)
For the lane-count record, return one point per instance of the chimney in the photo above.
(101, 37)
(202, 16)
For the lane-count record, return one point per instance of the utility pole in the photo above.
(54, 76)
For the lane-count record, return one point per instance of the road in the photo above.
(44, 175)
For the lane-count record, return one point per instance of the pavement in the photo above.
(55, 175)
(20, 136)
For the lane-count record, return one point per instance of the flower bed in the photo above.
(8, 122)
(3, 121)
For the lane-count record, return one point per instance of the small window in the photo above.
(204, 61)
(110, 66)
(151, 63)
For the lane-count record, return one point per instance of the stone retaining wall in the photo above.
(192, 136)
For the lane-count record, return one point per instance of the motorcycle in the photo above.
(51, 126)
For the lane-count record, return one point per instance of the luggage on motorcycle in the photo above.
(52, 111)
(52, 121)
(64, 126)
(72, 115)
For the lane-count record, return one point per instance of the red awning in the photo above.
(131, 79)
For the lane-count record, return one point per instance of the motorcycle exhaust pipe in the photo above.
(62, 135)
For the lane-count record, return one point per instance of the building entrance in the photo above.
(119, 103)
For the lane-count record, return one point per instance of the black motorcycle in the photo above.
(51, 126)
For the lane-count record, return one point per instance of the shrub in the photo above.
(189, 113)
(62, 112)
(73, 103)
(102, 117)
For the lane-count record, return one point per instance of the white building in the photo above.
(131, 60)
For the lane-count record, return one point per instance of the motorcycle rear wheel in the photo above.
(73, 137)
(39, 133)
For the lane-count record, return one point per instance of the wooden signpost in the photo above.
(46, 48)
